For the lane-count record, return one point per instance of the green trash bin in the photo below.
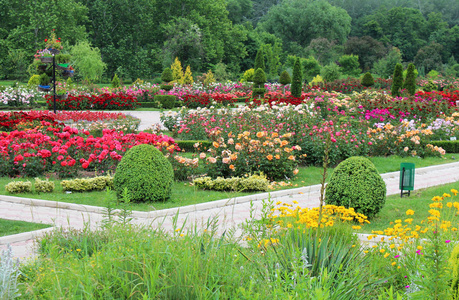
(406, 178)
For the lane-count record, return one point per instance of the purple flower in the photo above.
(447, 241)
(397, 256)
(407, 286)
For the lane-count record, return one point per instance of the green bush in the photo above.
(397, 80)
(98, 183)
(430, 86)
(311, 68)
(297, 80)
(350, 65)
(246, 184)
(248, 75)
(167, 75)
(146, 174)
(356, 183)
(44, 79)
(368, 80)
(330, 72)
(167, 87)
(166, 101)
(189, 145)
(43, 186)
(16, 187)
(258, 92)
(448, 146)
(454, 262)
(285, 78)
(259, 78)
(260, 60)
(410, 81)
(34, 81)
(115, 81)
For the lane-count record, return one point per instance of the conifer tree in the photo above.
(177, 70)
(259, 80)
(187, 77)
(397, 80)
(410, 80)
(115, 81)
(297, 79)
(260, 60)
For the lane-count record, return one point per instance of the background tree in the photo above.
(367, 49)
(397, 80)
(429, 57)
(410, 81)
(87, 61)
(350, 65)
(330, 72)
(311, 68)
(297, 80)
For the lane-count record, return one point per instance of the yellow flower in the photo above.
(449, 204)
(455, 192)
(410, 212)
(382, 250)
(394, 263)
(386, 255)
(419, 247)
(434, 213)
(356, 227)
(446, 195)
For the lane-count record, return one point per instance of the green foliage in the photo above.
(350, 65)
(285, 78)
(146, 174)
(16, 187)
(166, 101)
(248, 75)
(386, 65)
(454, 263)
(397, 80)
(330, 72)
(433, 75)
(410, 80)
(167, 76)
(356, 183)
(189, 145)
(115, 81)
(98, 183)
(177, 70)
(448, 146)
(260, 60)
(297, 80)
(311, 68)
(43, 186)
(87, 61)
(430, 86)
(429, 57)
(316, 81)
(34, 81)
(187, 76)
(44, 79)
(167, 87)
(209, 78)
(368, 80)
(259, 78)
(239, 184)
(258, 92)
(63, 58)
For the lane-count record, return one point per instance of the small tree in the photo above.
(311, 68)
(177, 70)
(209, 78)
(330, 72)
(368, 80)
(410, 80)
(397, 80)
(350, 65)
(259, 80)
(260, 60)
(297, 80)
(167, 76)
(284, 79)
(187, 77)
(115, 81)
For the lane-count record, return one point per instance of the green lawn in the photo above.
(184, 194)
(8, 227)
(396, 207)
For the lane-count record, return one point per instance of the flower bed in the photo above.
(105, 101)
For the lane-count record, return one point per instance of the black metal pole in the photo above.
(54, 83)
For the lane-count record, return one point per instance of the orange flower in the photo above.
(260, 134)
(284, 143)
(291, 157)
(275, 134)
(269, 157)
(231, 167)
(215, 144)
(277, 156)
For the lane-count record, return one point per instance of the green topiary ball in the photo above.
(368, 80)
(146, 174)
(356, 183)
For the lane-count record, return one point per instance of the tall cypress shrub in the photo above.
(259, 80)
(297, 80)
(397, 80)
(260, 60)
(284, 79)
(410, 80)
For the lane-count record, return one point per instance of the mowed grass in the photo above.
(396, 207)
(9, 227)
(183, 193)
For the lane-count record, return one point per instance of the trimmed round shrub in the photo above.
(368, 80)
(167, 101)
(356, 183)
(146, 174)
(167, 75)
(285, 78)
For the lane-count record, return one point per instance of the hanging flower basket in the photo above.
(46, 59)
(44, 88)
(54, 51)
(68, 73)
(62, 66)
(62, 96)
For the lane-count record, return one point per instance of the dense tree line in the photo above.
(139, 38)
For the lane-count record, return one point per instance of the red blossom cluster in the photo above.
(205, 99)
(105, 101)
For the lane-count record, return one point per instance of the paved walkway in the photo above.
(228, 212)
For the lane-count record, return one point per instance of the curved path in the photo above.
(228, 213)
